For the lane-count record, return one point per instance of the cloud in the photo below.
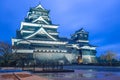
(94, 15)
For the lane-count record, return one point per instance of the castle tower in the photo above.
(86, 50)
(38, 37)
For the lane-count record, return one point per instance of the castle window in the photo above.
(81, 35)
(85, 35)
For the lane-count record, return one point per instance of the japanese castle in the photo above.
(39, 39)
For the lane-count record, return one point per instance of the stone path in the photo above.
(20, 76)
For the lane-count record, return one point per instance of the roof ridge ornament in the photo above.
(40, 2)
(81, 29)
(39, 5)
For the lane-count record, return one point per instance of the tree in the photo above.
(5, 52)
(109, 56)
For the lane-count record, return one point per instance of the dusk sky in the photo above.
(101, 18)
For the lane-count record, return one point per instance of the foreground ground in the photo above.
(77, 75)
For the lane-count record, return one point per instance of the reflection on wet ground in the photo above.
(78, 74)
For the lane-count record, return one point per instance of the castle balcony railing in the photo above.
(44, 50)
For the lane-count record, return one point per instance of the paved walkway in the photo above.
(20, 76)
